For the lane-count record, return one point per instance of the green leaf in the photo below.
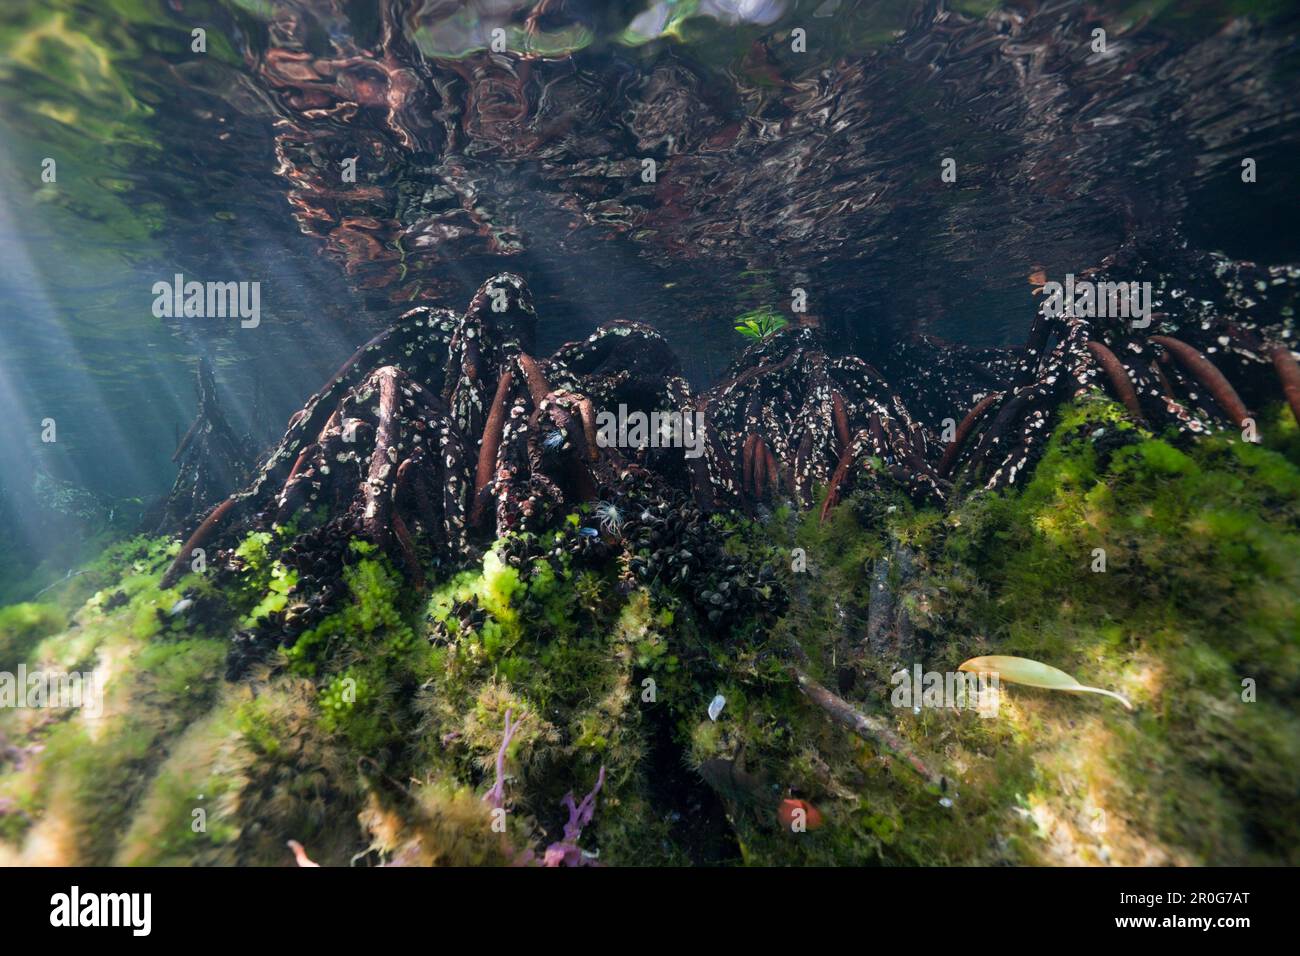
(1022, 670)
(761, 324)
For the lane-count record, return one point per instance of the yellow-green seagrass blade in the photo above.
(1022, 670)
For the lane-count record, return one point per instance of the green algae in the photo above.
(77, 791)
(374, 738)
(1200, 594)
(22, 625)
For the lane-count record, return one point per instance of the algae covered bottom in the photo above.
(380, 735)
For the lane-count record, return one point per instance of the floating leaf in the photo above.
(1022, 670)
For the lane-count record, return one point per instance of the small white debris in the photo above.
(715, 707)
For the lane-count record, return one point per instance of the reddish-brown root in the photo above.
(773, 477)
(747, 463)
(587, 412)
(1289, 374)
(841, 417)
(538, 387)
(201, 534)
(1203, 370)
(837, 479)
(487, 452)
(403, 535)
(1119, 379)
(760, 468)
(963, 432)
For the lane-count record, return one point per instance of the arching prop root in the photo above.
(1160, 381)
(963, 432)
(1119, 379)
(1204, 371)
(490, 447)
(1288, 373)
(195, 541)
(443, 420)
(406, 446)
(794, 418)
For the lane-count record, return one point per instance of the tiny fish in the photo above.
(715, 706)
(589, 532)
(793, 809)
(181, 606)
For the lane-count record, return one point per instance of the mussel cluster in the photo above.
(663, 542)
(319, 556)
(681, 547)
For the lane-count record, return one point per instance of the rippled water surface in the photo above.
(793, 144)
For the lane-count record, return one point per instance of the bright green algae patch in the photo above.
(374, 737)
(1196, 613)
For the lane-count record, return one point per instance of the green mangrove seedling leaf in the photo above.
(761, 324)
(1022, 670)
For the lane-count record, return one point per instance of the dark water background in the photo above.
(775, 169)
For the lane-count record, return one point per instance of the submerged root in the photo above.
(1119, 379)
(1288, 373)
(1204, 371)
(871, 729)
